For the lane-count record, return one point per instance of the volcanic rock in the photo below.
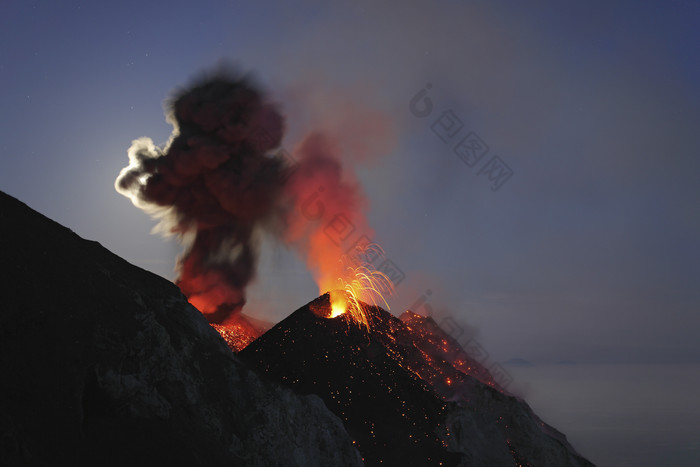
(451, 372)
(103, 363)
(402, 402)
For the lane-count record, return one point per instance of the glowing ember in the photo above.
(339, 303)
(442, 354)
(361, 285)
(236, 336)
(238, 331)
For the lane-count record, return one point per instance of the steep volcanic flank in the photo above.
(443, 355)
(391, 413)
(240, 332)
(103, 363)
(392, 385)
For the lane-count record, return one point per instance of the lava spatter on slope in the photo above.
(399, 392)
(444, 354)
(393, 415)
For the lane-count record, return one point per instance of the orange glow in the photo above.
(237, 334)
(327, 205)
(359, 285)
(339, 303)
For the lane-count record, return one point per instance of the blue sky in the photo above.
(590, 252)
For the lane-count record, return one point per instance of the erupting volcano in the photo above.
(223, 180)
(406, 392)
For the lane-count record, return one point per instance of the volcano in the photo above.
(103, 363)
(406, 393)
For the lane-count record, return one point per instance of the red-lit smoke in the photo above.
(327, 202)
(217, 183)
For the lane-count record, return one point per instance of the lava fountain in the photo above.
(360, 285)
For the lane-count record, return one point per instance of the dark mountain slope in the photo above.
(394, 398)
(103, 363)
(392, 414)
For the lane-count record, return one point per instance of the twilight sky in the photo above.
(589, 252)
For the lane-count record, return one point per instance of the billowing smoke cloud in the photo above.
(213, 186)
(219, 182)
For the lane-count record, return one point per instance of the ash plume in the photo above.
(220, 181)
(213, 185)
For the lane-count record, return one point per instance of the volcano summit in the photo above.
(402, 399)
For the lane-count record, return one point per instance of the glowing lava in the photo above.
(237, 337)
(339, 303)
(360, 285)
